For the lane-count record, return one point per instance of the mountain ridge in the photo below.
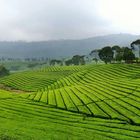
(62, 48)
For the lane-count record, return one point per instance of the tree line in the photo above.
(118, 54)
(107, 54)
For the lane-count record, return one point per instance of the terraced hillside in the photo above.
(111, 92)
(37, 79)
(88, 102)
(23, 119)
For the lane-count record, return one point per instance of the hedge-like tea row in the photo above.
(105, 91)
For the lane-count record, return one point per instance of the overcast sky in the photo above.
(67, 19)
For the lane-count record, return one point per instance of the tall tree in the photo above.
(95, 55)
(68, 62)
(77, 60)
(119, 55)
(55, 61)
(128, 55)
(136, 43)
(3, 71)
(106, 54)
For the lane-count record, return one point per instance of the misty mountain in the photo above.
(62, 48)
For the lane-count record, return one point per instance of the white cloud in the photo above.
(56, 19)
(122, 14)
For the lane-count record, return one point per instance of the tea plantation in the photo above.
(93, 102)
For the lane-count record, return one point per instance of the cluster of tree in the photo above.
(94, 54)
(55, 61)
(116, 53)
(110, 54)
(3, 71)
(76, 60)
(107, 54)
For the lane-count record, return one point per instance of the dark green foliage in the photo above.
(76, 60)
(128, 55)
(106, 54)
(118, 53)
(119, 57)
(116, 48)
(3, 71)
(68, 62)
(95, 55)
(55, 61)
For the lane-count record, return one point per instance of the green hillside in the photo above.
(100, 102)
(34, 80)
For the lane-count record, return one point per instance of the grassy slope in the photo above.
(26, 119)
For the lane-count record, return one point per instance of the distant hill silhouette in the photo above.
(62, 48)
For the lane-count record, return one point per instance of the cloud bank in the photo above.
(60, 19)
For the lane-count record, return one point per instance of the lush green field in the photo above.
(34, 80)
(98, 102)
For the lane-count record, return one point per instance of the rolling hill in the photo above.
(100, 102)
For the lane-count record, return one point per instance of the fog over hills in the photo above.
(62, 48)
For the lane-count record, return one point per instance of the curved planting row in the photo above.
(62, 68)
(104, 91)
(37, 79)
(32, 120)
